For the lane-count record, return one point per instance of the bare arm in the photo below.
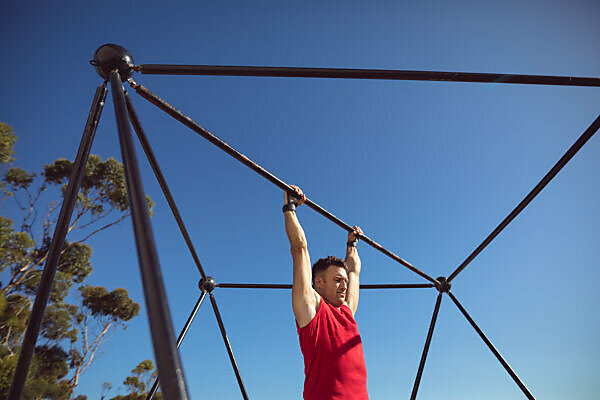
(304, 297)
(353, 264)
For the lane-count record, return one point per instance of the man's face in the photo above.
(332, 284)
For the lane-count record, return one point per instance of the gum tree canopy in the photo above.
(76, 322)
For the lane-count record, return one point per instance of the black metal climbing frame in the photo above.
(187, 121)
(114, 64)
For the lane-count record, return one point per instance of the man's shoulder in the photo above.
(306, 311)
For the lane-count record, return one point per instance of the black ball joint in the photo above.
(444, 285)
(208, 284)
(109, 57)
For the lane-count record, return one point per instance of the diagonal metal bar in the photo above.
(182, 334)
(58, 240)
(137, 126)
(413, 395)
(585, 136)
(289, 286)
(492, 348)
(161, 326)
(228, 346)
(187, 121)
(346, 73)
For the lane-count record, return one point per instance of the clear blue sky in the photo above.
(426, 169)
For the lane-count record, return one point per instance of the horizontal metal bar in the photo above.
(345, 73)
(289, 286)
(254, 285)
(397, 286)
(187, 121)
(585, 136)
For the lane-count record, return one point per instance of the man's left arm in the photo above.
(353, 265)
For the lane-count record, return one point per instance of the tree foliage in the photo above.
(139, 383)
(70, 334)
(45, 378)
(7, 148)
(7, 143)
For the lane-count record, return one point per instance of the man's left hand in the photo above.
(354, 234)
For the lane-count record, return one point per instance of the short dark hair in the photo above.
(326, 262)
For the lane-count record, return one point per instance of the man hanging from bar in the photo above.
(324, 300)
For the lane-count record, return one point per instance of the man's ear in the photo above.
(318, 281)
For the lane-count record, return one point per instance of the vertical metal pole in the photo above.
(489, 344)
(413, 395)
(228, 346)
(161, 326)
(60, 232)
(179, 340)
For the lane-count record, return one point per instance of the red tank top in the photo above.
(334, 363)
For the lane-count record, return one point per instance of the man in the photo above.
(334, 364)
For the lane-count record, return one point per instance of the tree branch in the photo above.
(21, 207)
(105, 227)
(95, 219)
(89, 352)
(24, 271)
(77, 217)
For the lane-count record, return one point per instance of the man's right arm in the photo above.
(304, 297)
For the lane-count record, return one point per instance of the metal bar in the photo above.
(413, 395)
(161, 326)
(137, 126)
(492, 348)
(187, 121)
(58, 239)
(228, 346)
(289, 286)
(254, 285)
(397, 286)
(345, 73)
(585, 136)
(182, 334)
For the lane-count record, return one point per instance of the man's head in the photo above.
(330, 279)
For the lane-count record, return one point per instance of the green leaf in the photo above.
(15, 247)
(115, 304)
(7, 143)
(18, 178)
